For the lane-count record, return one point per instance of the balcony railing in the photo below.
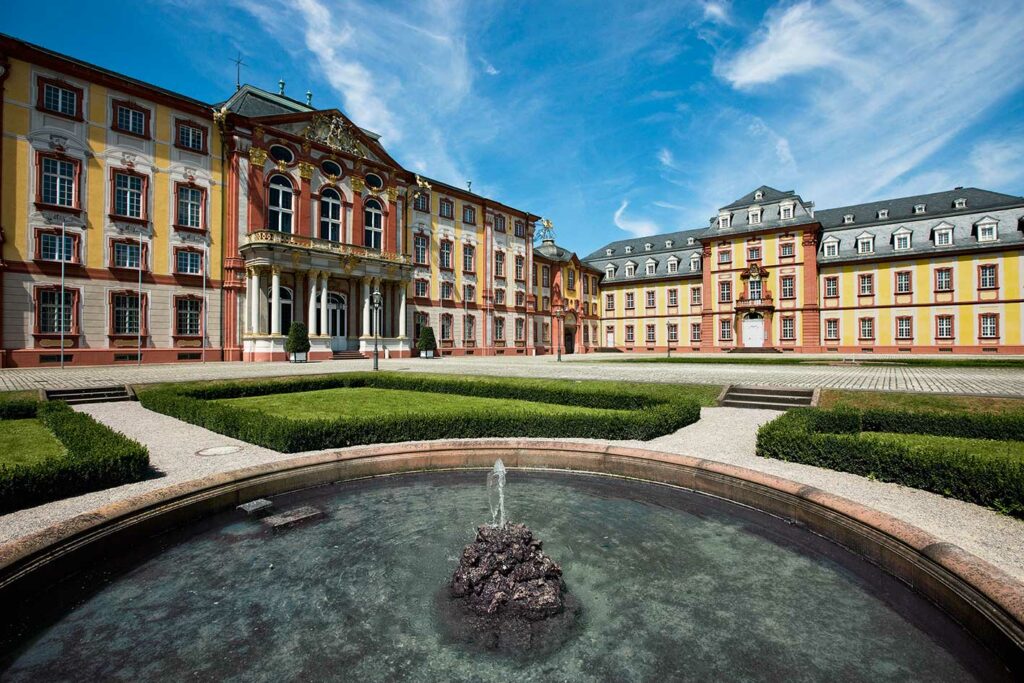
(765, 301)
(317, 244)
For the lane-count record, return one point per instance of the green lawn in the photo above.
(721, 359)
(1006, 449)
(26, 441)
(866, 400)
(370, 402)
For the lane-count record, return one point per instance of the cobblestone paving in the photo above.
(990, 381)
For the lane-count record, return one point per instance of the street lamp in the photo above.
(561, 333)
(376, 300)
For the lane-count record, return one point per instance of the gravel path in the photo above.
(723, 434)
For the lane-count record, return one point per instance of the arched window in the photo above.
(286, 306)
(373, 220)
(330, 215)
(279, 202)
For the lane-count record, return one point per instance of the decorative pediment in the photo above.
(335, 132)
(754, 272)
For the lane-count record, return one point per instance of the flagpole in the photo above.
(60, 309)
(138, 359)
(206, 254)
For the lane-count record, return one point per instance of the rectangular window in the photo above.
(520, 299)
(865, 245)
(629, 334)
(52, 248)
(499, 329)
(786, 249)
(469, 327)
(190, 207)
(725, 329)
(586, 285)
(468, 214)
(189, 262)
(650, 298)
(188, 317)
(673, 297)
(754, 290)
(903, 282)
(544, 303)
(546, 332)
(54, 318)
(422, 289)
(586, 334)
(650, 334)
(902, 242)
(724, 292)
(572, 279)
(468, 292)
(630, 301)
(831, 248)
(130, 120)
(446, 208)
(58, 182)
(520, 229)
(695, 332)
(695, 296)
(127, 195)
(609, 302)
(191, 137)
(126, 314)
(446, 327)
(520, 329)
(499, 296)
(754, 254)
(831, 287)
(127, 255)
(60, 100)
(468, 258)
(673, 332)
(986, 233)
(499, 264)
(673, 267)
(786, 213)
(421, 202)
(989, 324)
(867, 284)
(904, 328)
(787, 284)
(943, 238)
(419, 245)
(652, 268)
(725, 257)
(944, 280)
(447, 291)
(944, 327)
(867, 328)
(445, 260)
(520, 268)
(832, 329)
(789, 329)
(987, 277)
(545, 276)
(499, 223)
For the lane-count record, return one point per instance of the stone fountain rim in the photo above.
(983, 598)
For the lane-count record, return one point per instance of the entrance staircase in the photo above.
(755, 349)
(79, 396)
(347, 355)
(767, 398)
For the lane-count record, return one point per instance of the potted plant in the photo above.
(426, 343)
(297, 344)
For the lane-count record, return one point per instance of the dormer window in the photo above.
(943, 236)
(673, 265)
(689, 241)
(960, 203)
(630, 269)
(629, 250)
(786, 212)
(608, 252)
(987, 230)
(754, 216)
(724, 220)
(866, 245)
(901, 239)
(609, 272)
(648, 246)
(759, 195)
(694, 263)
(831, 247)
(848, 219)
(919, 209)
(652, 267)
(668, 244)
(883, 214)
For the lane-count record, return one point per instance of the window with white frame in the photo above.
(468, 257)
(694, 263)
(545, 303)
(447, 323)
(131, 120)
(987, 232)
(630, 270)
(883, 214)
(866, 284)
(421, 202)
(609, 302)
(987, 276)
(831, 248)
(725, 256)
(753, 253)
(629, 334)
(448, 290)
(919, 208)
(128, 195)
(609, 272)
(904, 327)
(571, 279)
(668, 244)
(754, 290)
(788, 328)
(943, 237)
(58, 182)
(865, 245)
(944, 280)
(190, 137)
(188, 315)
(831, 329)
(673, 332)
(959, 203)
(787, 249)
(695, 332)
(54, 317)
(520, 266)
(189, 262)
(279, 203)
(499, 295)
(673, 266)
(725, 291)
(499, 264)
(520, 298)
(754, 216)
(786, 212)
(901, 241)
(944, 327)
(725, 329)
(651, 267)
(831, 287)
(520, 329)
(419, 245)
(373, 224)
(445, 255)
(61, 100)
(989, 325)
(650, 334)
(848, 219)
(468, 292)
(695, 296)
(867, 328)
(673, 297)
(469, 327)
(787, 285)
(53, 248)
(126, 313)
(723, 221)
(330, 215)
(903, 282)
(650, 300)
(190, 207)
(422, 290)
(446, 208)
(630, 301)
(629, 249)
(127, 255)
(468, 214)
(648, 246)
(545, 276)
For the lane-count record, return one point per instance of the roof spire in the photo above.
(309, 98)
(238, 71)
(280, 87)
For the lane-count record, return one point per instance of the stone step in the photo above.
(769, 398)
(89, 395)
(773, 391)
(757, 405)
(289, 518)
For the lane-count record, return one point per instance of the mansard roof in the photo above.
(769, 194)
(680, 251)
(678, 239)
(255, 102)
(902, 208)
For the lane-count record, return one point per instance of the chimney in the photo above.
(280, 87)
(309, 98)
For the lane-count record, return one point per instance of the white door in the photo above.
(337, 322)
(609, 338)
(753, 333)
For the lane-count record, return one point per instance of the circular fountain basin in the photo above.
(672, 584)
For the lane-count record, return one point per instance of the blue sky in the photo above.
(612, 119)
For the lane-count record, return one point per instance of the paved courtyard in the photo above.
(988, 381)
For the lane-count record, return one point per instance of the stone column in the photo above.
(248, 301)
(366, 308)
(401, 310)
(254, 302)
(311, 277)
(275, 301)
(325, 328)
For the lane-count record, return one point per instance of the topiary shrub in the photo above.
(298, 339)
(427, 344)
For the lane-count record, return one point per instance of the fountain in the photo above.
(507, 594)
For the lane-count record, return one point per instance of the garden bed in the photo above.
(312, 413)
(976, 457)
(48, 451)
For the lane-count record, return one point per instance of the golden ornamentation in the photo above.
(282, 166)
(306, 147)
(257, 156)
(305, 170)
(358, 185)
(257, 132)
(334, 132)
(392, 193)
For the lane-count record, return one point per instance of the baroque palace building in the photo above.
(141, 225)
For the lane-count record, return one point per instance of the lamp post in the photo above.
(561, 333)
(376, 301)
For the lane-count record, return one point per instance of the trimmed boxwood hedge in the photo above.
(638, 414)
(830, 438)
(95, 457)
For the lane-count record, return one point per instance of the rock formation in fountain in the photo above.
(506, 594)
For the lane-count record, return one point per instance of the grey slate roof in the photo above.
(552, 252)
(902, 208)
(252, 101)
(770, 195)
(659, 252)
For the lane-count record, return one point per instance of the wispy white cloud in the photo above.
(718, 12)
(489, 68)
(997, 162)
(666, 159)
(634, 226)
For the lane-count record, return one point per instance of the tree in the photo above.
(298, 339)
(426, 342)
